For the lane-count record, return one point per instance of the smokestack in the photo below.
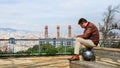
(69, 31)
(46, 31)
(58, 31)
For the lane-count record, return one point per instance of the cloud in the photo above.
(35, 14)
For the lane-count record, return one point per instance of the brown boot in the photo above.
(74, 57)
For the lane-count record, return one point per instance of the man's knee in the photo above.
(78, 39)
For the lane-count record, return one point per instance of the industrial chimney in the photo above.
(69, 31)
(58, 31)
(46, 31)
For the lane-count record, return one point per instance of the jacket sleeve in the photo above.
(86, 34)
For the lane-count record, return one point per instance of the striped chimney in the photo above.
(46, 31)
(69, 31)
(58, 31)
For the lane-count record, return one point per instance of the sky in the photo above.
(35, 14)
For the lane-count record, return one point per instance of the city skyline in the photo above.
(34, 15)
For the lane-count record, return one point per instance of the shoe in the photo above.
(73, 58)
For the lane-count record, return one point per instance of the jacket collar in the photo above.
(87, 25)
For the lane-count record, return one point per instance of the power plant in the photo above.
(58, 35)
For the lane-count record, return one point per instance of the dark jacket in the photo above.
(91, 32)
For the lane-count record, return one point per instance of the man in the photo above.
(90, 38)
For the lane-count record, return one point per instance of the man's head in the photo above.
(82, 22)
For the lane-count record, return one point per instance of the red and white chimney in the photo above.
(58, 31)
(46, 31)
(69, 31)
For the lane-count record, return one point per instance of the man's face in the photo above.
(83, 25)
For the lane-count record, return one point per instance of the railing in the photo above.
(38, 46)
(17, 46)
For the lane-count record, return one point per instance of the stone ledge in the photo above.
(110, 53)
(86, 64)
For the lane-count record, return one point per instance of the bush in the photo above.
(70, 50)
(48, 49)
(51, 51)
(111, 45)
(34, 49)
(61, 49)
(115, 45)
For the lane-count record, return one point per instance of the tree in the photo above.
(110, 23)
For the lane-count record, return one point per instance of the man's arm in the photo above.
(86, 34)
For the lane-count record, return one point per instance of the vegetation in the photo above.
(48, 50)
(110, 23)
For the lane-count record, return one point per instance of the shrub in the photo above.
(51, 51)
(61, 49)
(70, 50)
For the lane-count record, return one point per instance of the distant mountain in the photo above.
(10, 32)
(15, 30)
(8, 29)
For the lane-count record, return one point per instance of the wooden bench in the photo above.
(105, 58)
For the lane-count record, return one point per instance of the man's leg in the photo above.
(79, 42)
(76, 51)
(76, 47)
(85, 42)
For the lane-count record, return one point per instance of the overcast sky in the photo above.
(35, 14)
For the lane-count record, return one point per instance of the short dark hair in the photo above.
(82, 20)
